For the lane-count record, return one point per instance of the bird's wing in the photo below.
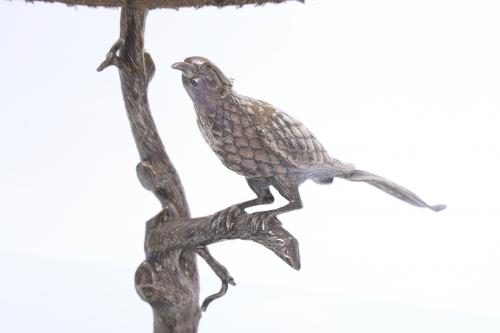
(286, 137)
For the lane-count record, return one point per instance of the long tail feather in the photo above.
(390, 188)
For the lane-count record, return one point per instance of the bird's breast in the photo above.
(233, 134)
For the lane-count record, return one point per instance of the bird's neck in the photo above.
(212, 105)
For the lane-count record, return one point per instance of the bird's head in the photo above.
(202, 79)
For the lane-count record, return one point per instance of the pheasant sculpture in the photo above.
(264, 144)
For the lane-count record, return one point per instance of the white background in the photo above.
(405, 89)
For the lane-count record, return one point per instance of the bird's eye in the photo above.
(223, 93)
(194, 81)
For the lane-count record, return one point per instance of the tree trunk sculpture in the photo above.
(168, 278)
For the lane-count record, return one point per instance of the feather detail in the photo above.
(391, 188)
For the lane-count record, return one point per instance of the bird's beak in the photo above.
(188, 70)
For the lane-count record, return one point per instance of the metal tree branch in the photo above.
(168, 278)
(167, 232)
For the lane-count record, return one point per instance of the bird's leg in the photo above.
(290, 191)
(256, 202)
(261, 188)
(264, 196)
(291, 205)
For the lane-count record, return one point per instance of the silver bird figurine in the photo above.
(264, 144)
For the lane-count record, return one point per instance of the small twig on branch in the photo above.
(220, 271)
(113, 59)
(211, 298)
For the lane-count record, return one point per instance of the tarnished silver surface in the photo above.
(264, 144)
(168, 278)
(251, 137)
